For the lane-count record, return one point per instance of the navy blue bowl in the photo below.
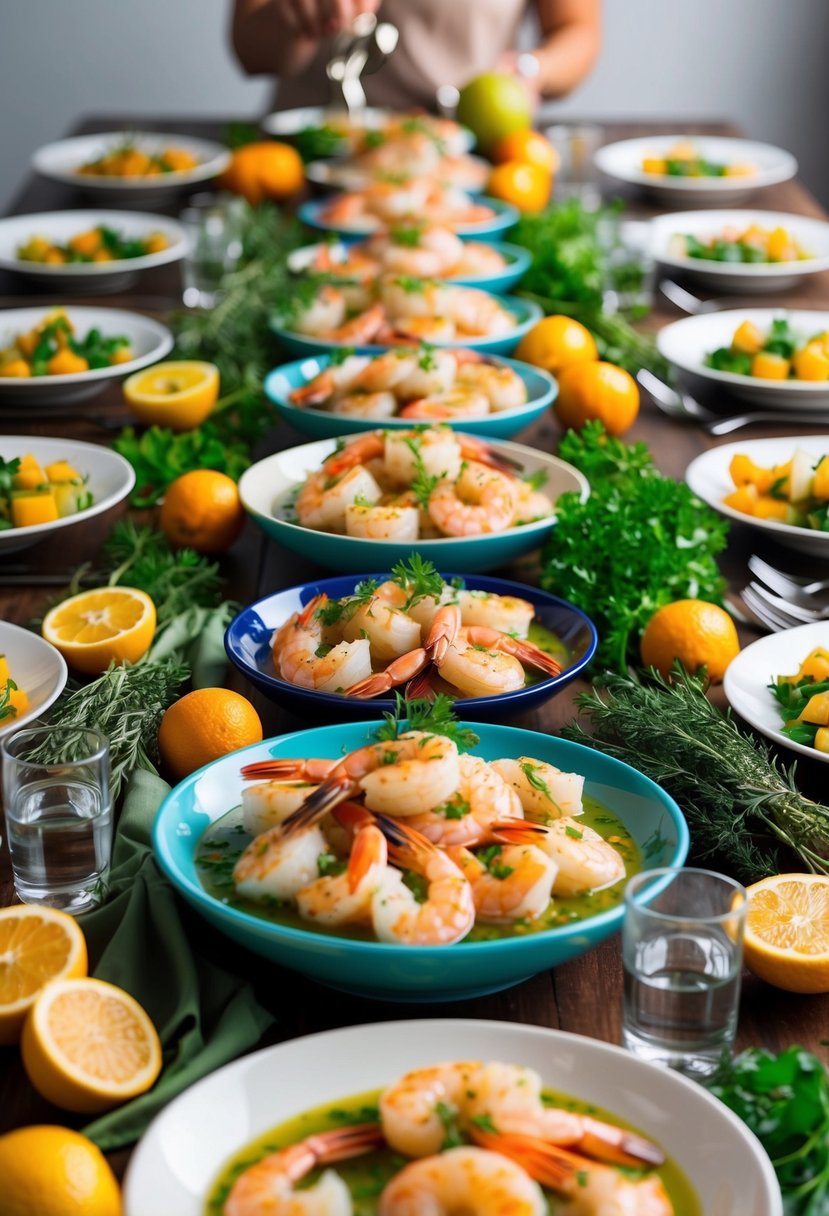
(248, 646)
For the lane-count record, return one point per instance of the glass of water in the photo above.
(58, 805)
(212, 226)
(576, 176)
(682, 947)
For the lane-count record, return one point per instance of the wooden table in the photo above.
(583, 996)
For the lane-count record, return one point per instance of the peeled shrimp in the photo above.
(274, 866)
(586, 862)
(478, 258)
(296, 654)
(433, 372)
(530, 504)
(480, 500)
(448, 912)
(390, 631)
(444, 627)
(506, 613)
(360, 404)
(326, 311)
(322, 502)
(478, 672)
(382, 523)
(463, 1180)
(340, 899)
(452, 403)
(438, 450)
(502, 387)
(466, 818)
(357, 330)
(270, 802)
(546, 793)
(515, 884)
(333, 379)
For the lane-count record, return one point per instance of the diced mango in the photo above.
(61, 470)
(740, 169)
(815, 665)
(742, 499)
(822, 739)
(26, 343)
(86, 243)
(782, 477)
(29, 476)
(19, 700)
(67, 496)
(767, 507)
(18, 368)
(748, 338)
(4, 671)
(811, 363)
(30, 509)
(816, 709)
(769, 366)
(820, 485)
(66, 362)
(744, 471)
(123, 354)
(655, 164)
(781, 247)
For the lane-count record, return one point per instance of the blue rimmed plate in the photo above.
(504, 218)
(323, 424)
(517, 260)
(248, 645)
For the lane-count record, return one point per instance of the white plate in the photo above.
(708, 477)
(746, 678)
(110, 479)
(686, 344)
(186, 1146)
(60, 226)
(623, 161)
(286, 123)
(61, 161)
(149, 340)
(811, 235)
(36, 668)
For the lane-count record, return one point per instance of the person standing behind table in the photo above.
(443, 42)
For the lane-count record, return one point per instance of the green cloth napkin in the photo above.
(204, 1016)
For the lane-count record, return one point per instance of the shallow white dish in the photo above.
(623, 162)
(60, 226)
(812, 236)
(36, 668)
(60, 161)
(110, 479)
(708, 477)
(686, 344)
(285, 124)
(746, 678)
(150, 341)
(182, 1152)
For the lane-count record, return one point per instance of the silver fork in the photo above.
(682, 405)
(786, 614)
(786, 584)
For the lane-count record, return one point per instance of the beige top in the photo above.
(441, 42)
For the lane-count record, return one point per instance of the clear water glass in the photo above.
(214, 246)
(576, 176)
(58, 808)
(682, 948)
(630, 267)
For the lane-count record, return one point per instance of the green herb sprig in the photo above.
(435, 717)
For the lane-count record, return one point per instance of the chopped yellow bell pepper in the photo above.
(30, 509)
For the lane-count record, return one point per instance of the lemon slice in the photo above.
(179, 394)
(88, 1045)
(98, 627)
(36, 945)
(787, 931)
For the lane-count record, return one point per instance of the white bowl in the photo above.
(179, 1156)
(623, 161)
(110, 479)
(36, 668)
(149, 340)
(708, 477)
(747, 677)
(60, 226)
(686, 344)
(61, 161)
(812, 236)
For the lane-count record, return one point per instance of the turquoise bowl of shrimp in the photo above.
(202, 841)
(323, 398)
(331, 215)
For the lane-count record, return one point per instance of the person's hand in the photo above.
(314, 19)
(508, 63)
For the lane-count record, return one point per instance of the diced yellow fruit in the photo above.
(811, 363)
(18, 368)
(54, 257)
(817, 709)
(781, 247)
(4, 671)
(748, 338)
(123, 354)
(655, 164)
(156, 242)
(767, 507)
(739, 170)
(61, 470)
(19, 701)
(67, 496)
(30, 509)
(66, 362)
(26, 343)
(822, 739)
(820, 485)
(86, 243)
(29, 476)
(769, 366)
(103, 255)
(744, 471)
(815, 665)
(743, 499)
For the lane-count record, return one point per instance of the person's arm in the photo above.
(572, 38)
(281, 37)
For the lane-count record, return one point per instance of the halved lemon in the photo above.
(179, 394)
(98, 627)
(36, 945)
(88, 1045)
(787, 931)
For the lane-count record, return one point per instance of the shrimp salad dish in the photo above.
(417, 630)
(413, 485)
(397, 196)
(412, 148)
(396, 309)
(469, 1136)
(410, 247)
(422, 383)
(413, 842)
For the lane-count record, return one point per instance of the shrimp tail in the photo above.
(444, 630)
(477, 449)
(421, 687)
(342, 1143)
(463, 354)
(517, 831)
(357, 452)
(404, 668)
(526, 653)
(405, 843)
(553, 1167)
(615, 1144)
(312, 770)
(324, 798)
(311, 609)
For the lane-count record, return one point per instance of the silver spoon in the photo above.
(676, 404)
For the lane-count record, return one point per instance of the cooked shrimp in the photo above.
(437, 451)
(506, 613)
(530, 504)
(479, 258)
(546, 793)
(361, 404)
(586, 862)
(326, 311)
(267, 1188)
(424, 329)
(451, 404)
(358, 330)
(445, 625)
(480, 800)
(296, 656)
(406, 297)
(321, 503)
(502, 386)
(390, 631)
(476, 311)
(478, 672)
(393, 200)
(313, 769)
(386, 371)
(448, 912)
(340, 899)
(411, 1107)
(391, 522)
(269, 803)
(349, 211)
(463, 1180)
(335, 378)
(515, 883)
(433, 372)
(356, 452)
(480, 500)
(274, 866)
(526, 652)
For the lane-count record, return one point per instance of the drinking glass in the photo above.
(58, 806)
(576, 176)
(630, 267)
(214, 245)
(682, 946)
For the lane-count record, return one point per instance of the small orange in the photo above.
(202, 511)
(528, 146)
(527, 186)
(203, 726)
(265, 169)
(557, 342)
(597, 390)
(693, 631)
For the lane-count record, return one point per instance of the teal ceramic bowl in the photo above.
(517, 261)
(266, 488)
(526, 313)
(323, 424)
(504, 217)
(411, 973)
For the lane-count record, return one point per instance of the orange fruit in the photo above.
(88, 1045)
(557, 342)
(693, 631)
(52, 1171)
(265, 169)
(597, 390)
(787, 931)
(179, 394)
(101, 626)
(204, 725)
(528, 146)
(202, 511)
(36, 945)
(525, 185)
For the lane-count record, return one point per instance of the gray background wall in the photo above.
(761, 63)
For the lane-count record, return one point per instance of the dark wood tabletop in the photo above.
(583, 996)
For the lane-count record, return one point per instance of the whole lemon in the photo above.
(52, 1171)
(493, 105)
(693, 631)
